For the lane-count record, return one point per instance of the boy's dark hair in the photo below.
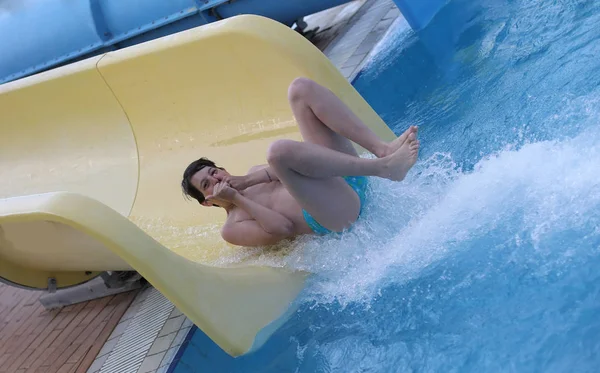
(186, 184)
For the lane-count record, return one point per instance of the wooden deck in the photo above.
(65, 340)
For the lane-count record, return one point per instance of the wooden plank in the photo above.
(47, 330)
(11, 311)
(42, 352)
(64, 352)
(112, 322)
(66, 340)
(22, 337)
(65, 368)
(3, 359)
(7, 300)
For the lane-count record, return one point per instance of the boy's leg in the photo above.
(325, 120)
(312, 170)
(318, 162)
(312, 174)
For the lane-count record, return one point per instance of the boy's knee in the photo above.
(279, 151)
(300, 88)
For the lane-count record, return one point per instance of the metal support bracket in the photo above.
(104, 285)
(51, 285)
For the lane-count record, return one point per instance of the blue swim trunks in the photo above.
(359, 184)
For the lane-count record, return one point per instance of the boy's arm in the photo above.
(265, 228)
(256, 175)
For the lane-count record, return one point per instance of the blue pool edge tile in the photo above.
(181, 350)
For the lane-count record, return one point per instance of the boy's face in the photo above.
(206, 179)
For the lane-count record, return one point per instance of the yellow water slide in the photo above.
(92, 154)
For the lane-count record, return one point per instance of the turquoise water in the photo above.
(487, 258)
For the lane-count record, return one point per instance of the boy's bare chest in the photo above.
(275, 197)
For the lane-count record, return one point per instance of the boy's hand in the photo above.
(239, 182)
(222, 191)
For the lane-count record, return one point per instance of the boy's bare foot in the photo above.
(398, 163)
(394, 145)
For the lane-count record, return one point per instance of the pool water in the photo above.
(487, 257)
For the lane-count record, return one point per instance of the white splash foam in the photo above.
(411, 225)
